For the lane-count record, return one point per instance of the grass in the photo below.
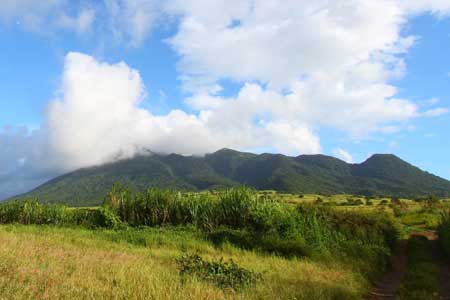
(422, 279)
(230, 244)
(76, 263)
(444, 232)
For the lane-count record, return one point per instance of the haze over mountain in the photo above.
(383, 174)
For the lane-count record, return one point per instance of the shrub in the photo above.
(444, 232)
(105, 217)
(271, 243)
(235, 206)
(225, 274)
(422, 279)
(383, 202)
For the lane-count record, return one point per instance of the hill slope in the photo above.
(380, 174)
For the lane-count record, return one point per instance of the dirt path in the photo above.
(387, 287)
(442, 262)
(445, 281)
(444, 267)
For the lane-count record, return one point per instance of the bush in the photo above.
(271, 243)
(225, 274)
(444, 232)
(105, 217)
(422, 279)
(32, 212)
(236, 205)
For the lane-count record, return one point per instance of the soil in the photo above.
(387, 287)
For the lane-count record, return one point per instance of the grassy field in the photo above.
(47, 262)
(236, 245)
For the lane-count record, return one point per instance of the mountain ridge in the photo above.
(380, 174)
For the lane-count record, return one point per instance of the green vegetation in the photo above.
(422, 279)
(222, 273)
(306, 174)
(444, 232)
(224, 244)
(54, 262)
(236, 243)
(240, 216)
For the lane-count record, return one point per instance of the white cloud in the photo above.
(435, 112)
(126, 22)
(278, 44)
(80, 24)
(302, 66)
(131, 21)
(438, 7)
(45, 15)
(99, 118)
(318, 64)
(343, 154)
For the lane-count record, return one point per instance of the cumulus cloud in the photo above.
(343, 154)
(277, 44)
(314, 64)
(300, 65)
(98, 118)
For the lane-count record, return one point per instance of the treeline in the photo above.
(239, 216)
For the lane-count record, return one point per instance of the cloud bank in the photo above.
(300, 66)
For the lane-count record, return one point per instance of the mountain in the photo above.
(381, 174)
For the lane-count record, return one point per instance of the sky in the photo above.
(88, 82)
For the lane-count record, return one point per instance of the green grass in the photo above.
(422, 279)
(444, 232)
(230, 244)
(47, 262)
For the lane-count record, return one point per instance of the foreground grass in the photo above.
(422, 279)
(44, 262)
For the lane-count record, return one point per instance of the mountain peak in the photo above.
(379, 156)
(384, 174)
(226, 150)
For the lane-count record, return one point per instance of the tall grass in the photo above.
(254, 221)
(33, 212)
(240, 216)
(422, 278)
(444, 232)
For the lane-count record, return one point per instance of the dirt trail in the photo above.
(443, 263)
(444, 267)
(445, 281)
(387, 287)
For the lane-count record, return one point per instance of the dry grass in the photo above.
(39, 262)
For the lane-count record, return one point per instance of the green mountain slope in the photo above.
(380, 174)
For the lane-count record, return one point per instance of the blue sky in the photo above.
(197, 76)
